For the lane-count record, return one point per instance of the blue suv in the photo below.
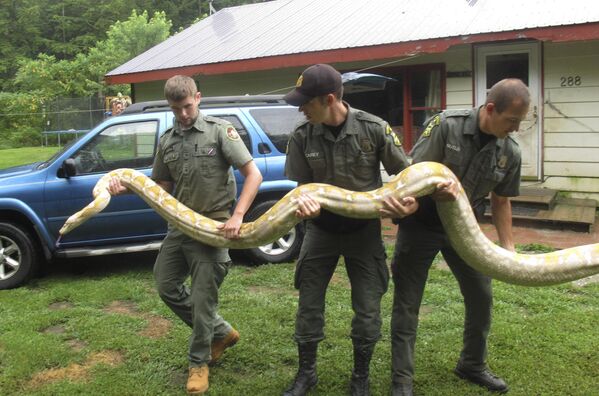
(36, 199)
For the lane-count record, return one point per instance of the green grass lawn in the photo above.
(104, 331)
(25, 155)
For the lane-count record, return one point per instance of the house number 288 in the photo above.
(570, 81)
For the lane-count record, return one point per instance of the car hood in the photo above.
(18, 170)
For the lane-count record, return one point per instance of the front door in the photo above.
(498, 61)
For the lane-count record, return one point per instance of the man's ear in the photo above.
(331, 99)
(490, 107)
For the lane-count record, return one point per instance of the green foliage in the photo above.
(62, 49)
(66, 28)
(21, 122)
(83, 76)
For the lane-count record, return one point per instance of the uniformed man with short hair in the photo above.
(344, 147)
(193, 162)
(476, 146)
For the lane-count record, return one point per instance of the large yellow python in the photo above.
(417, 180)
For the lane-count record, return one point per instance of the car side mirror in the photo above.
(67, 169)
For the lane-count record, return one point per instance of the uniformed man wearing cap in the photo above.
(476, 146)
(193, 162)
(344, 147)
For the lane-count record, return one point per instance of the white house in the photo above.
(437, 54)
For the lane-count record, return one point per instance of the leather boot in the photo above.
(219, 345)
(306, 377)
(360, 384)
(197, 382)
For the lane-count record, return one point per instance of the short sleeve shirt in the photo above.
(352, 159)
(198, 160)
(453, 139)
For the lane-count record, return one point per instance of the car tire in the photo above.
(18, 256)
(284, 249)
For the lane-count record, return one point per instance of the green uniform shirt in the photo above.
(350, 160)
(453, 138)
(198, 160)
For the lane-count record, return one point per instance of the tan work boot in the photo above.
(197, 382)
(219, 345)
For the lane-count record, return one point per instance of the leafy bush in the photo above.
(21, 119)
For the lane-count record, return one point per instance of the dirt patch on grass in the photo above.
(442, 265)
(425, 310)
(55, 329)
(269, 290)
(76, 345)
(58, 305)
(156, 327)
(123, 308)
(76, 372)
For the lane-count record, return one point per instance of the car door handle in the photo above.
(264, 148)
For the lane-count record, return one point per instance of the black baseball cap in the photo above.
(317, 80)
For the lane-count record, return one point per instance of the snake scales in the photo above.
(417, 180)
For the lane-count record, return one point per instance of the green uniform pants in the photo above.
(416, 247)
(365, 262)
(179, 257)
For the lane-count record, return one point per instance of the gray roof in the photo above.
(286, 27)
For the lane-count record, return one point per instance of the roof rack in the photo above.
(207, 102)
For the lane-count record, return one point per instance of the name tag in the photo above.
(453, 147)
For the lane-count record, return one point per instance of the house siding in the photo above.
(571, 118)
(570, 140)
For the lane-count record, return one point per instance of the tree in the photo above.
(83, 76)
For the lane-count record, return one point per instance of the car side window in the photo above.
(241, 130)
(278, 124)
(130, 145)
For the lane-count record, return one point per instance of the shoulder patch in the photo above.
(433, 123)
(390, 132)
(232, 133)
(457, 113)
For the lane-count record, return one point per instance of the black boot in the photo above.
(360, 384)
(306, 377)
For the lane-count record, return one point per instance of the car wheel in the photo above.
(284, 249)
(18, 256)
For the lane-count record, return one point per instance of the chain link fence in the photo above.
(66, 119)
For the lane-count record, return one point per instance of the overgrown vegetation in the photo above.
(105, 331)
(62, 49)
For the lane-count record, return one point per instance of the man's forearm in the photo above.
(253, 178)
(501, 210)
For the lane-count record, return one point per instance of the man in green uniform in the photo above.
(193, 163)
(476, 146)
(343, 147)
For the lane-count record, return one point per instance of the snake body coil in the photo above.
(417, 180)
